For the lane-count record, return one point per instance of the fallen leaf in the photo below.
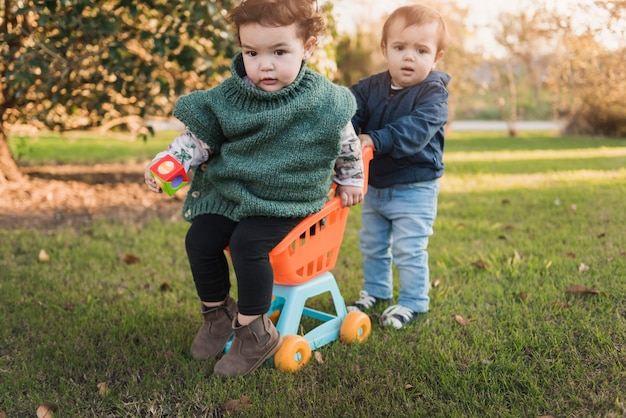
(43, 256)
(480, 264)
(583, 267)
(570, 255)
(103, 388)
(47, 410)
(129, 258)
(408, 386)
(165, 287)
(436, 283)
(318, 357)
(236, 405)
(166, 354)
(578, 289)
(602, 235)
(462, 321)
(572, 207)
(506, 201)
(516, 256)
(523, 295)
(508, 227)
(564, 305)
(502, 237)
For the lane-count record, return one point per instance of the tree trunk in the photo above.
(511, 121)
(9, 171)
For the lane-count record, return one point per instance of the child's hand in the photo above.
(152, 184)
(366, 140)
(350, 195)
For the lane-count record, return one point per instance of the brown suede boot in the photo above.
(252, 345)
(215, 330)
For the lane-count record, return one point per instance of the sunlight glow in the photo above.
(536, 155)
(451, 183)
(482, 17)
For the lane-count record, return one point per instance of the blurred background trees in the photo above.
(81, 64)
(587, 74)
(567, 66)
(547, 63)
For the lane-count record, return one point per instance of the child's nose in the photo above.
(267, 64)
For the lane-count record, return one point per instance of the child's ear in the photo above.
(439, 56)
(309, 45)
(383, 49)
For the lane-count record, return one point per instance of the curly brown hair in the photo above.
(304, 13)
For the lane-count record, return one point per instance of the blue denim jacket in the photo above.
(406, 126)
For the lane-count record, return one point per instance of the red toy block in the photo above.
(170, 174)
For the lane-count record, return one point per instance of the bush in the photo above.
(598, 118)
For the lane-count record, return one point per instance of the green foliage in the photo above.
(99, 337)
(358, 56)
(73, 64)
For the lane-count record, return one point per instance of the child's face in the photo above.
(273, 55)
(411, 52)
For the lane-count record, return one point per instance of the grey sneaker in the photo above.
(398, 316)
(367, 302)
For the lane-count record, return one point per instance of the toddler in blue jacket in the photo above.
(401, 113)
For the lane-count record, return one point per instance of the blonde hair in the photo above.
(416, 15)
(304, 13)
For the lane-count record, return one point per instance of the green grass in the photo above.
(520, 222)
(85, 148)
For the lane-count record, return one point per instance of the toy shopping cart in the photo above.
(302, 262)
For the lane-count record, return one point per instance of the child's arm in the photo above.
(349, 168)
(411, 133)
(408, 134)
(187, 149)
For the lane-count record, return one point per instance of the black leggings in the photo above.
(250, 242)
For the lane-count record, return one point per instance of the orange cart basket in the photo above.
(312, 247)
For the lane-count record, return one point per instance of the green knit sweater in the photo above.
(273, 152)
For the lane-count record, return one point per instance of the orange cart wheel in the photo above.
(274, 316)
(356, 327)
(293, 354)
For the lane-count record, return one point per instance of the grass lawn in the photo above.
(528, 306)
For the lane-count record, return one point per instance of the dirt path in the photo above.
(61, 196)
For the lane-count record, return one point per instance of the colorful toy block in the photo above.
(170, 174)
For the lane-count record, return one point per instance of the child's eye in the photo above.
(279, 52)
(251, 53)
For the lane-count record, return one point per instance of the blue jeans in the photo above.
(397, 222)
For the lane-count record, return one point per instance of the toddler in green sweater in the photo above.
(263, 146)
